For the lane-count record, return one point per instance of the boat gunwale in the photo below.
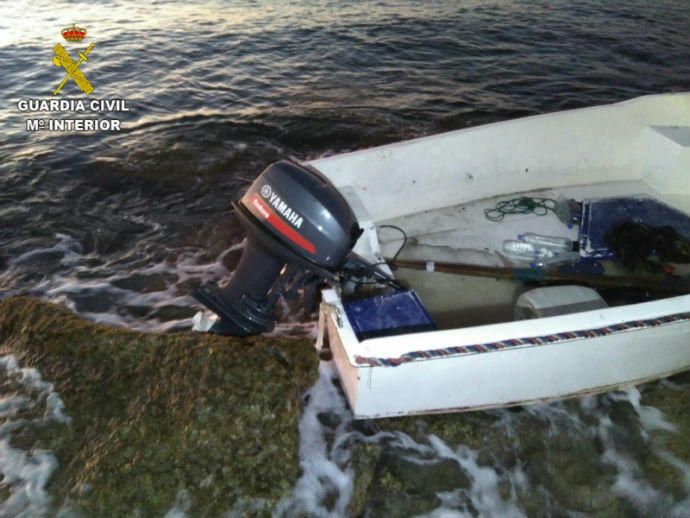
(358, 358)
(537, 341)
(315, 162)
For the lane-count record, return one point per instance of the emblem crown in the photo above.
(73, 33)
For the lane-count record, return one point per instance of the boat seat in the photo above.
(557, 300)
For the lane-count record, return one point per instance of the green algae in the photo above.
(156, 414)
(363, 464)
(209, 425)
(674, 403)
(559, 451)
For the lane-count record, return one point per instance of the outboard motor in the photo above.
(300, 230)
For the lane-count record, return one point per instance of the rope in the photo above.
(522, 205)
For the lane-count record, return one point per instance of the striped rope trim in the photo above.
(516, 342)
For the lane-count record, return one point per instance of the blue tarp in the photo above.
(391, 314)
(598, 216)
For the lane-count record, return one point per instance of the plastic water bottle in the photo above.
(557, 244)
(555, 260)
(525, 250)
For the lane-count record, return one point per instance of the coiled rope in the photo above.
(522, 205)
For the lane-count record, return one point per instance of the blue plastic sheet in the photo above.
(598, 216)
(386, 315)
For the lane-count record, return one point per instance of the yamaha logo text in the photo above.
(290, 215)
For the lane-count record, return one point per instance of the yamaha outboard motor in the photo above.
(300, 230)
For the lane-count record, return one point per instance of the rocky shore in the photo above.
(198, 425)
(159, 417)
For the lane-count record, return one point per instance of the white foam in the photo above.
(183, 503)
(484, 490)
(325, 471)
(446, 511)
(26, 472)
(67, 245)
(189, 264)
(651, 418)
(89, 275)
(630, 482)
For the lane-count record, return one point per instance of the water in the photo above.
(596, 456)
(122, 227)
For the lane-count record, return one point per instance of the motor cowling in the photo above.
(304, 211)
(299, 229)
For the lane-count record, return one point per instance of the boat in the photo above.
(453, 322)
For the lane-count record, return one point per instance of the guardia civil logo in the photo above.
(66, 110)
(62, 58)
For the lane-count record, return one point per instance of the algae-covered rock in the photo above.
(670, 440)
(603, 456)
(364, 461)
(154, 416)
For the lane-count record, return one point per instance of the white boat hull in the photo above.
(641, 146)
(514, 375)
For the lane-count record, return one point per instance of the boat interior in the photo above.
(426, 199)
(462, 234)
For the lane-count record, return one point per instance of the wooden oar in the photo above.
(670, 285)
